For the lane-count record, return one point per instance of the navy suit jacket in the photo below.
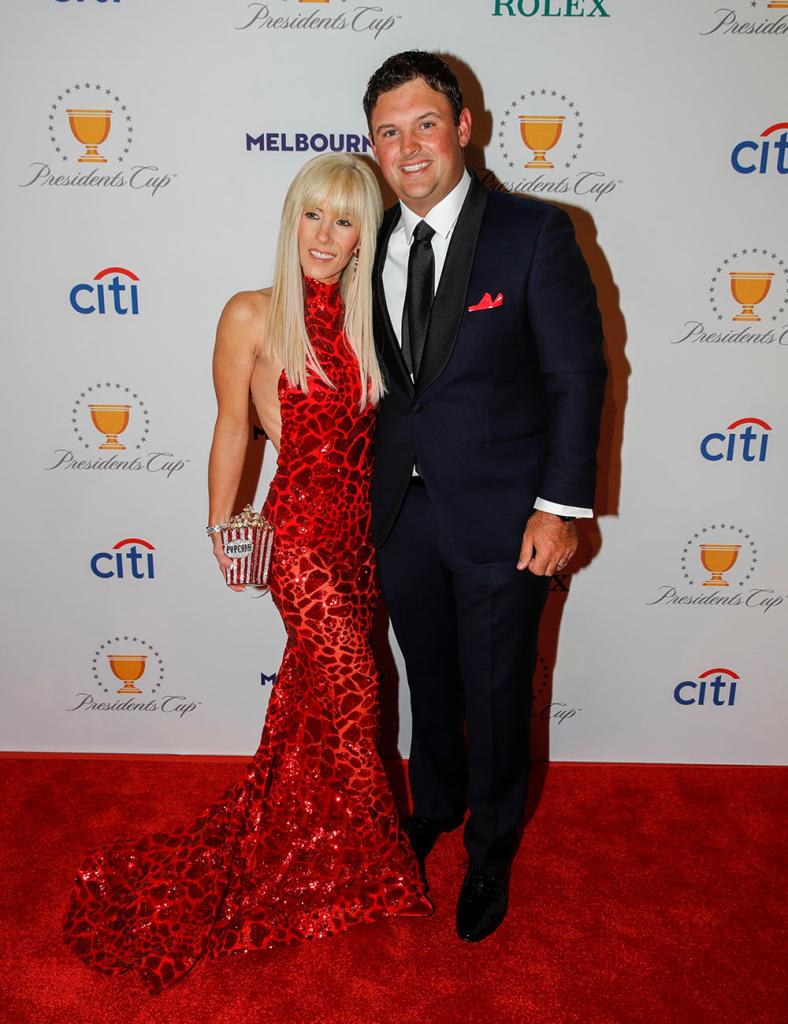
(507, 403)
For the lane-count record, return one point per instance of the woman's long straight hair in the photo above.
(343, 186)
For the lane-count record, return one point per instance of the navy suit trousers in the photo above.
(468, 633)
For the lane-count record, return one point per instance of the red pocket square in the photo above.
(487, 302)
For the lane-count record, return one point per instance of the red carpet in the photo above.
(643, 894)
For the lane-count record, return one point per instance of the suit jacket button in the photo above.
(417, 407)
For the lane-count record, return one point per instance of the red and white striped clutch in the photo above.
(250, 548)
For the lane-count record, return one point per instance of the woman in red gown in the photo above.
(308, 842)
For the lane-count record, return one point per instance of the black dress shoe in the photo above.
(423, 832)
(482, 903)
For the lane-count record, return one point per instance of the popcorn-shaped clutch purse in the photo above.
(248, 539)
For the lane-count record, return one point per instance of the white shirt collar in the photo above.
(443, 216)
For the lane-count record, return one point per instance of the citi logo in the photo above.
(126, 560)
(113, 295)
(715, 686)
(747, 445)
(772, 153)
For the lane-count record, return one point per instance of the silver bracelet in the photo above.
(215, 529)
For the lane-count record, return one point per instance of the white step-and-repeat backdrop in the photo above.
(126, 232)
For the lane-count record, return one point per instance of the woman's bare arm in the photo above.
(237, 338)
(239, 335)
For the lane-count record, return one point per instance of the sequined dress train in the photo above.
(308, 842)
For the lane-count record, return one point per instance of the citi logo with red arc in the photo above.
(101, 296)
(715, 687)
(131, 558)
(744, 440)
(769, 154)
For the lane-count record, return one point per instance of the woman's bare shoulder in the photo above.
(243, 323)
(246, 310)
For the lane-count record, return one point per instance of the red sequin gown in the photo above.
(308, 842)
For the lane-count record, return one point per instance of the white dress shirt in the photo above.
(442, 218)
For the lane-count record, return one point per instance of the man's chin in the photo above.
(415, 190)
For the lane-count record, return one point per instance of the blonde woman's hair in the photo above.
(344, 186)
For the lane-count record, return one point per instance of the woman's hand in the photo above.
(223, 559)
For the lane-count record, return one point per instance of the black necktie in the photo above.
(418, 297)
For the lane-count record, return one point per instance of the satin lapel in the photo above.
(449, 303)
(386, 340)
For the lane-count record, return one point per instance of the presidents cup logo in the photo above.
(718, 556)
(120, 663)
(91, 135)
(370, 21)
(541, 705)
(747, 295)
(716, 569)
(110, 425)
(749, 18)
(541, 137)
(112, 290)
(109, 411)
(716, 687)
(747, 279)
(127, 674)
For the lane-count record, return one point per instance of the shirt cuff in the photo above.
(563, 510)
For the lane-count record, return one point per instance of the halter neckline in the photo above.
(313, 288)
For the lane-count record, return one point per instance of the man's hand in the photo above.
(548, 544)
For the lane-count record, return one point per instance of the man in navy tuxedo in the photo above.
(485, 453)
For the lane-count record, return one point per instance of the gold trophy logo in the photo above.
(540, 134)
(110, 420)
(128, 668)
(718, 559)
(749, 289)
(91, 128)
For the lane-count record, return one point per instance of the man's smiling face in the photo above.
(418, 145)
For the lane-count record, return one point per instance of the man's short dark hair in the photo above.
(404, 67)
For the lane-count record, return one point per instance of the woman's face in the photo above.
(326, 243)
